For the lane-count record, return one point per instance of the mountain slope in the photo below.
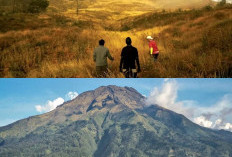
(111, 121)
(102, 9)
(119, 5)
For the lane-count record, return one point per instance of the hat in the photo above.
(149, 37)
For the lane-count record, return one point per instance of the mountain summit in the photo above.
(111, 121)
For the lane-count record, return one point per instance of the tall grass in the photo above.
(194, 43)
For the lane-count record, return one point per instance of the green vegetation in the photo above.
(26, 6)
(37, 6)
(119, 128)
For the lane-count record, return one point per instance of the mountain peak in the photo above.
(114, 88)
(105, 98)
(111, 121)
(110, 96)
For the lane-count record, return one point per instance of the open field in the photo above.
(193, 42)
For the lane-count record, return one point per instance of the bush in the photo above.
(222, 3)
(208, 8)
(195, 14)
(37, 6)
(125, 28)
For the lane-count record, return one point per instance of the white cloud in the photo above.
(71, 95)
(50, 105)
(228, 126)
(215, 116)
(219, 114)
(227, 1)
(203, 121)
(167, 98)
(218, 124)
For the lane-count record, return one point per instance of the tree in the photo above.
(222, 3)
(37, 6)
(13, 6)
(77, 6)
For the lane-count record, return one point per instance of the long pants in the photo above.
(102, 71)
(130, 73)
(155, 56)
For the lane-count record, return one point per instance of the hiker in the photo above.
(129, 56)
(100, 56)
(153, 49)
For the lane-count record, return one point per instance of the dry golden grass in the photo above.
(64, 47)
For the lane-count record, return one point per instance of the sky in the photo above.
(207, 102)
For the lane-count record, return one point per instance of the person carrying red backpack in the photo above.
(153, 49)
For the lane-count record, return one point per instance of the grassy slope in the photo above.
(195, 43)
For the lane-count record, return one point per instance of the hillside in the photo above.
(111, 121)
(192, 42)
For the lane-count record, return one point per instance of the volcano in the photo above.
(112, 121)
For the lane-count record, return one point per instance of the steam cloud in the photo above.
(215, 116)
(167, 98)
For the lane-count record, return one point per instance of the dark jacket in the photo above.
(129, 56)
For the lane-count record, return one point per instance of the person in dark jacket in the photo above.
(129, 56)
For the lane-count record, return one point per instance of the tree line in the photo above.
(27, 6)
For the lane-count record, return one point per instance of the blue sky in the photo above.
(18, 97)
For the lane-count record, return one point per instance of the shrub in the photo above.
(195, 14)
(125, 28)
(219, 15)
(37, 6)
(208, 8)
(222, 3)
